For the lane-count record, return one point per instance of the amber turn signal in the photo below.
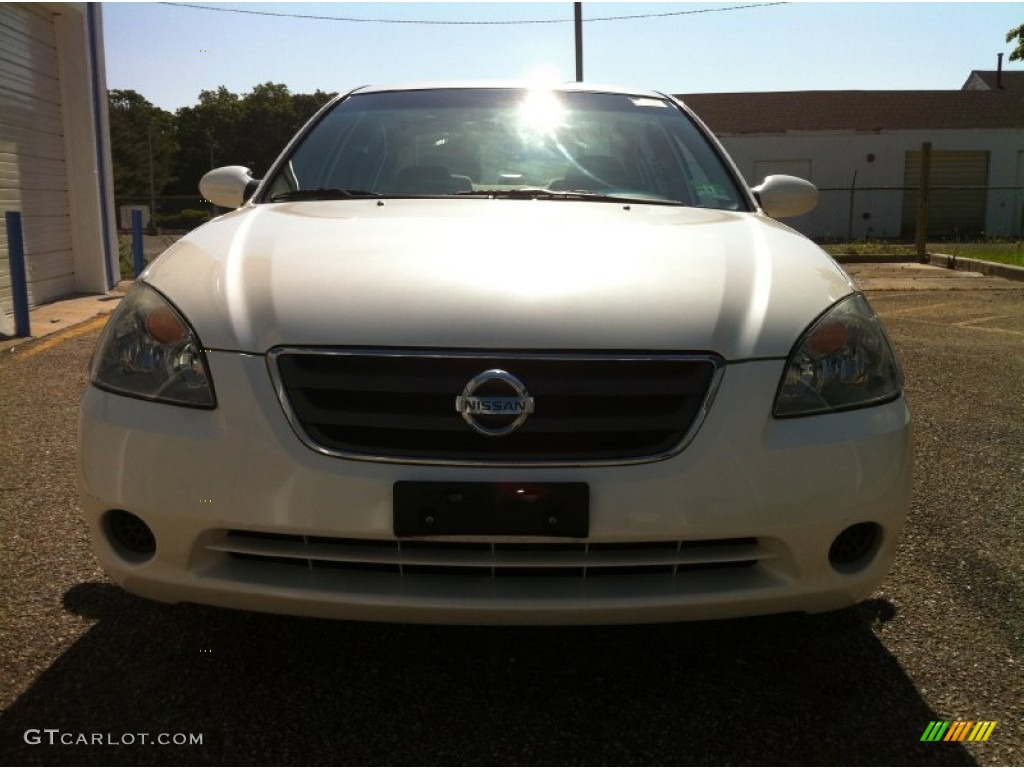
(829, 338)
(165, 327)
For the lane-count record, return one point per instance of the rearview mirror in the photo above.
(229, 186)
(785, 196)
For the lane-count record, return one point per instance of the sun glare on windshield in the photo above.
(541, 112)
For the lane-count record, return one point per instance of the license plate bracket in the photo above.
(491, 509)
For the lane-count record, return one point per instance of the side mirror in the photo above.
(229, 186)
(785, 196)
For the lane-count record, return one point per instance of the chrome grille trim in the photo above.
(280, 388)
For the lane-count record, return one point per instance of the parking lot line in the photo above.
(70, 333)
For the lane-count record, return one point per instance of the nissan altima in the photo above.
(497, 354)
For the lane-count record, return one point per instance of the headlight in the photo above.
(842, 361)
(148, 350)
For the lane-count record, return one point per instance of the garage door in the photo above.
(1019, 229)
(32, 171)
(951, 212)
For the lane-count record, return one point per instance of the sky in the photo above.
(171, 52)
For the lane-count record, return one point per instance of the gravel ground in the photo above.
(942, 639)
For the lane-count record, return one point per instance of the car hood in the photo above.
(494, 273)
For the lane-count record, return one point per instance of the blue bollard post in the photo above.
(137, 241)
(19, 282)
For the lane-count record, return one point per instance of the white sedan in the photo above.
(497, 354)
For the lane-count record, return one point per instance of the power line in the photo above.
(353, 19)
(684, 13)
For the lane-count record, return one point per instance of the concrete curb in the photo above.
(990, 268)
(962, 263)
(872, 258)
(62, 315)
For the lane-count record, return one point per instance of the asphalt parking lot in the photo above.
(942, 639)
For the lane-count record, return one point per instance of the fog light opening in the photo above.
(130, 536)
(854, 547)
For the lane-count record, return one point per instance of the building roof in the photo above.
(993, 80)
(778, 112)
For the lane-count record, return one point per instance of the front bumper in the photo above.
(784, 489)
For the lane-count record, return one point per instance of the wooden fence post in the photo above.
(922, 201)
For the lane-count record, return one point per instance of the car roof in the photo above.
(510, 84)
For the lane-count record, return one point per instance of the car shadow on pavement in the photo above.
(265, 689)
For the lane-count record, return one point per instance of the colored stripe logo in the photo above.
(958, 730)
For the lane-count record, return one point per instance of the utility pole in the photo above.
(578, 7)
(152, 186)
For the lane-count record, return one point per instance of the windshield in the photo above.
(507, 143)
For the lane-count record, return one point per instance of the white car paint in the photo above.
(246, 512)
(481, 274)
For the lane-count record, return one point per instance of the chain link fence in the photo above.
(954, 213)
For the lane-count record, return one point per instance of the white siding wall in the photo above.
(55, 151)
(834, 156)
(33, 177)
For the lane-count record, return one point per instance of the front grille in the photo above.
(574, 561)
(402, 405)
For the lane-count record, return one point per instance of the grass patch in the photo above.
(870, 247)
(1001, 252)
(124, 251)
(124, 254)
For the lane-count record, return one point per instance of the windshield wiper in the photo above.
(530, 192)
(519, 192)
(323, 193)
(539, 193)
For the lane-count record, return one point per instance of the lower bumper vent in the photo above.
(573, 561)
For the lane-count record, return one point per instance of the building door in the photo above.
(1019, 196)
(958, 198)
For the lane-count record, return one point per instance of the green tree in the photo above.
(268, 120)
(1017, 54)
(208, 138)
(251, 130)
(143, 143)
(307, 104)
